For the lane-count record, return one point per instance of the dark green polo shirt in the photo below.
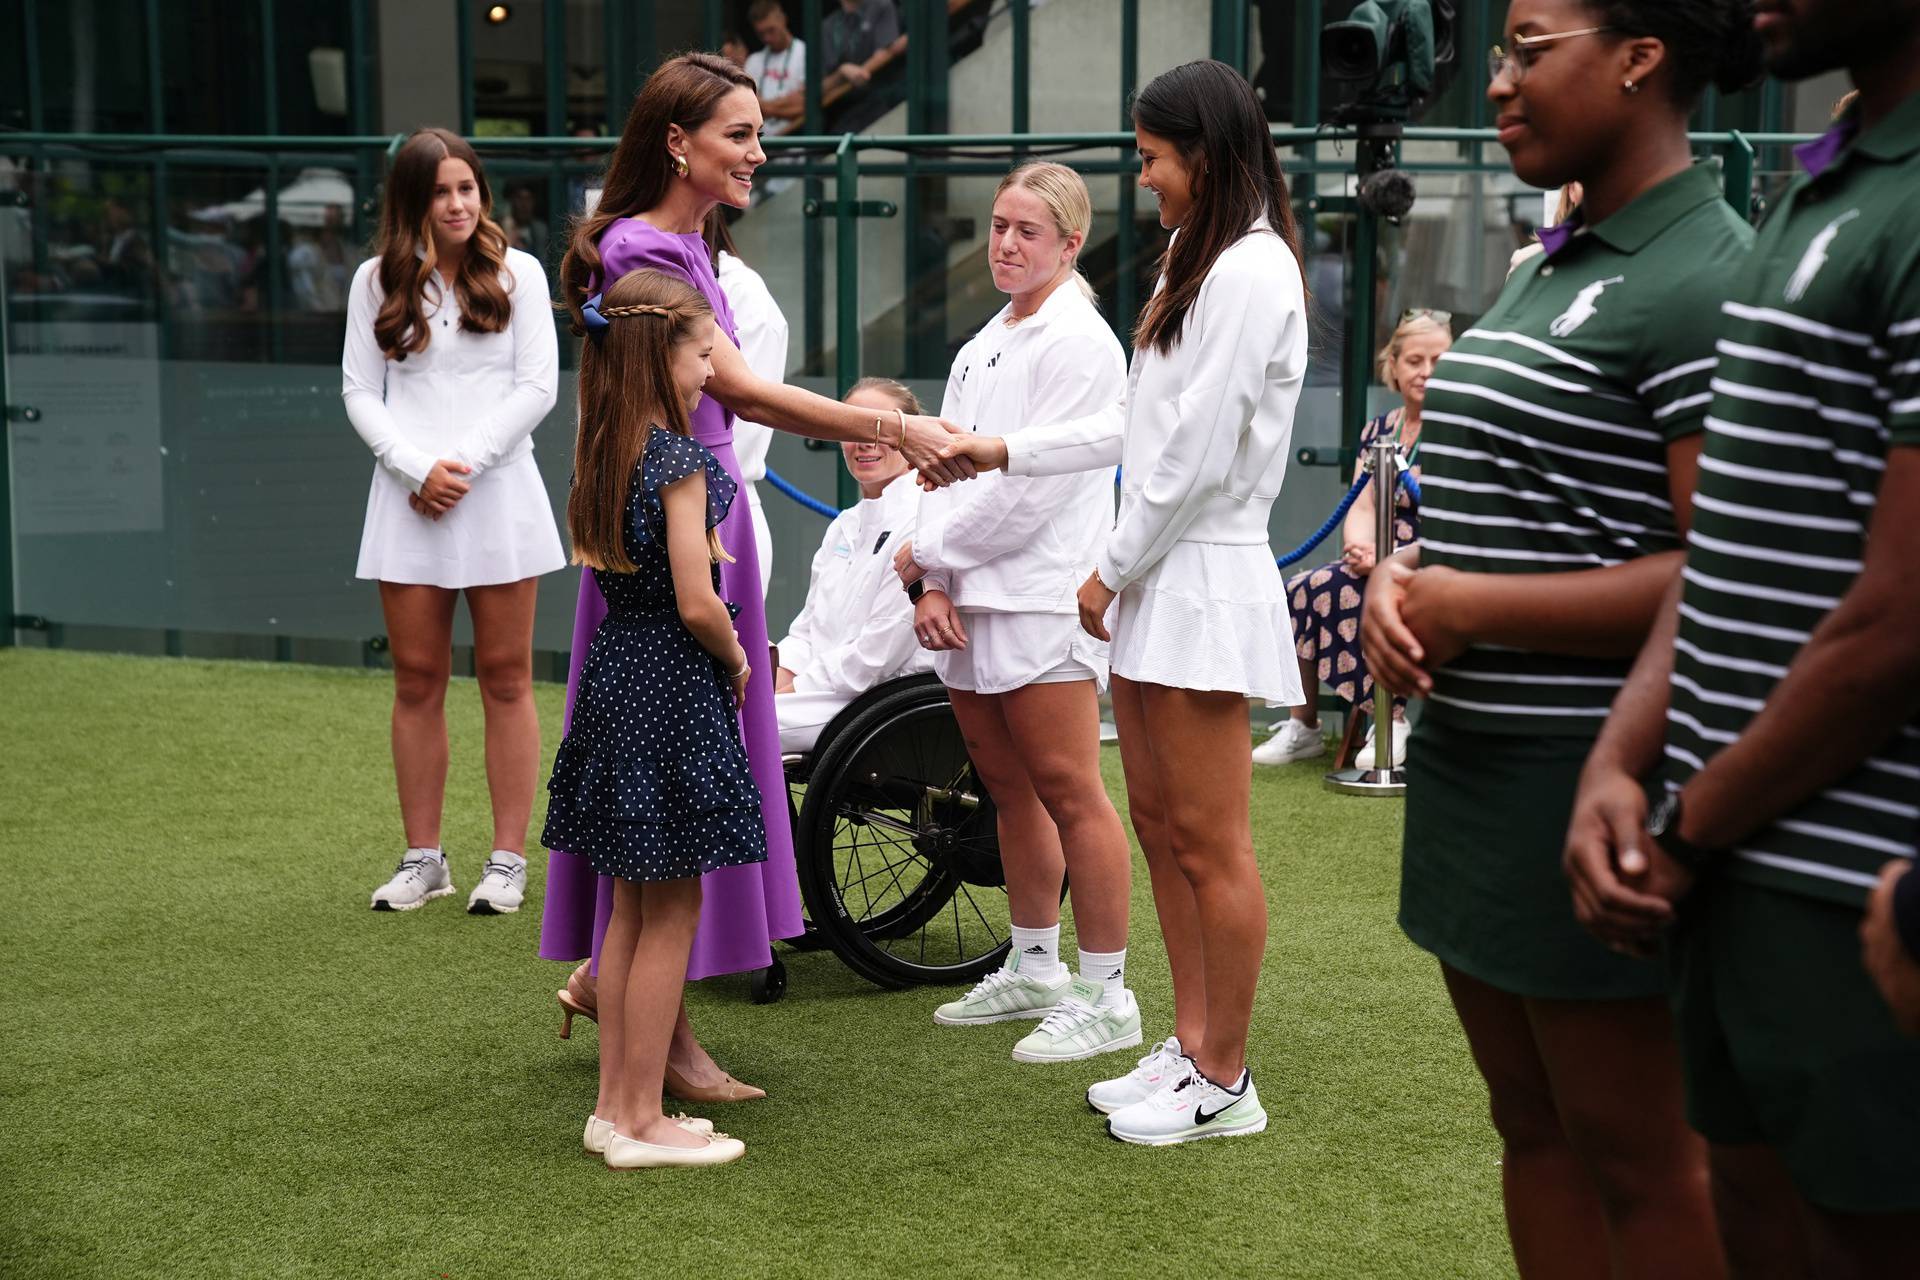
(1819, 379)
(1547, 425)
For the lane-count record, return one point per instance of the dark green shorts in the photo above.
(1480, 880)
(1785, 1041)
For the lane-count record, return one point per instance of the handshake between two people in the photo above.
(943, 453)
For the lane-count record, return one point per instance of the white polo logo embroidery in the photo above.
(1584, 308)
(1816, 257)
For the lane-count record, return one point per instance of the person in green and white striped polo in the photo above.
(1560, 436)
(1777, 706)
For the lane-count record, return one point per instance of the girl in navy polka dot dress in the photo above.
(651, 784)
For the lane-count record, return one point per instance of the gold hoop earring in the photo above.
(680, 165)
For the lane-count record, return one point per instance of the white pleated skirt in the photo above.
(1209, 616)
(502, 531)
(1008, 651)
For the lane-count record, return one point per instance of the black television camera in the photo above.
(1393, 58)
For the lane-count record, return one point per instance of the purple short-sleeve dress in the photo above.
(744, 907)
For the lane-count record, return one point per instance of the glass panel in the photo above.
(196, 35)
(14, 113)
(509, 70)
(313, 41)
(93, 66)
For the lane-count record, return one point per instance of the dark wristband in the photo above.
(916, 589)
(1906, 910)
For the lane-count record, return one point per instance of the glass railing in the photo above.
(181, 476)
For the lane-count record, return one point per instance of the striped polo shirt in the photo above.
(1819, 377)
(1547, 425)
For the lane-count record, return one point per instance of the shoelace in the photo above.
(993, 984)
(415, 867)
(504, 869)
(1071, 1014)
(1160, 1059)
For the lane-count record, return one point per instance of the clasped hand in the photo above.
(442, 488)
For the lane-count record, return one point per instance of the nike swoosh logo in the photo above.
(1201, 1116)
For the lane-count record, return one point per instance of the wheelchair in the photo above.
(896, 844)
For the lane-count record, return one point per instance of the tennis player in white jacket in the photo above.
(856, 629)
(1001, 559)
(1198, 617)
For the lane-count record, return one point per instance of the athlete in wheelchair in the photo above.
(894, 836)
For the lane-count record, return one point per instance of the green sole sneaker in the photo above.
(1003, 996)
(1081, 1027)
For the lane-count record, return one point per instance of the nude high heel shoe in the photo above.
(728, 1090)
(578, 997)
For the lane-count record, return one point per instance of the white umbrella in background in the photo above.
(303, 202)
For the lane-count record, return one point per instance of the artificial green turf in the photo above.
(219, 1062)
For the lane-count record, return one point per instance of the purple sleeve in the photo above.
(1906, 911)
(623, 250)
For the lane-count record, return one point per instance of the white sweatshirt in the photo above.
(856, 629)
(1202, 437)
(471, 397)
(1022, 543)
(762, 327)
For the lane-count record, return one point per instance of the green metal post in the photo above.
(554, 45)
(813, 270)
(1125, 294)
(1740, 174)
(926, 204)
(613, 37)
(1306, 62)
(1022, 61)
(1230, 33)
(36, 108)
(270, 67)
(713, 23)
(463, 44)
(8, 605)
(846, 253)
(360, 106)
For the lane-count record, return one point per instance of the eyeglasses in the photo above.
(1426, 313)
(1501, 63)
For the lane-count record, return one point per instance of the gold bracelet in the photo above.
(902, 415)
(876, 428)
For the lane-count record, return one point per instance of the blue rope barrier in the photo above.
(1305, 549)
(1413, 486)
(805, 499)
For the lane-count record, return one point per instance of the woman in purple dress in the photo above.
(691, 142)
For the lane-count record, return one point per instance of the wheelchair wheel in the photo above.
(899, 853)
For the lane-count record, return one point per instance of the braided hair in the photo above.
(627, 390)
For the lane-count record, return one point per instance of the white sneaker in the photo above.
(1081, 1027)
(1293, 740)
(1401, 729)
(1187, 1108)
(421, 877)
(1109, 1096)
(1004, 995)
(502, 887)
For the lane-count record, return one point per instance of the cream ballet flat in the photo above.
(631, 1153)
(599, 1131)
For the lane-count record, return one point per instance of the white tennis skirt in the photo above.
(1008, 651)
(502, 531)
(1209, 616)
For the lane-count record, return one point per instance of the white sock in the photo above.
(508, 856)
(1036, 953)
(422, 851)
(1106, 970)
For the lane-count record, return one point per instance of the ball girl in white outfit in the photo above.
(1186, 581)
(450, 363)
(996, 563)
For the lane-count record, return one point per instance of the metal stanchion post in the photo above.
(1387, 777)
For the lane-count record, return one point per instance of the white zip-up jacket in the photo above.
(1202, 437)
(1021, 543)
(856, 628)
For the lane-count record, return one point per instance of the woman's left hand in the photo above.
(1095, 598)
(903, 565)
(421, 508)
(1359, 557)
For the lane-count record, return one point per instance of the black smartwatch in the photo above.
(1663, 824)
(916, 589)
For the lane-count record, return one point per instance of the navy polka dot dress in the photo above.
(651, 782)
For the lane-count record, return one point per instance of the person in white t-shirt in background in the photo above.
(763, 342)
(780, 70)
(856, 630)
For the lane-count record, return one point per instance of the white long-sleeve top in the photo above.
(763, 344)
(471, 397)
(1202, 437)
(1021, 543)
(856, 629)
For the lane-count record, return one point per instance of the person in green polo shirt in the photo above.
(1776, 710)
(1560, 436)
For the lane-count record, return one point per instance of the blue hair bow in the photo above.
(591, 317)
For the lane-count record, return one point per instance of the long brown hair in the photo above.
(1210, 114)
(684, 91)
(626, 389)
(406, 214)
